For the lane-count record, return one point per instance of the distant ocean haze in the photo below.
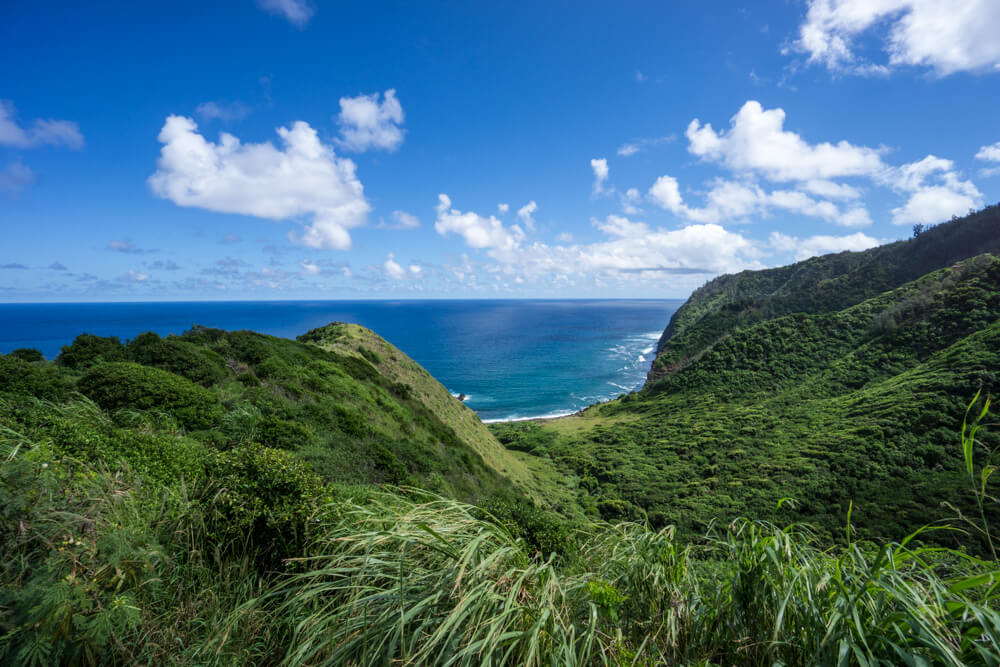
(512, 359)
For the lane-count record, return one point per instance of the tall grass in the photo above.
(429, 581)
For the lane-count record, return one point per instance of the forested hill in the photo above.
(818, 285)
(836, 381)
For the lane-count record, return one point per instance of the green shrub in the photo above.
(29, 354)
(268, 495)
(370, 355)
(283, 434)
(248, 347)
(131, 385)
(88, 349)
(41, 381)
(178, 356)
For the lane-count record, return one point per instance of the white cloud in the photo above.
(831, 190)
(633, 147)
(393, 269)
(309, 268)
(405, 220)
(478, 232)
(565, 237)
(42, 131)
(503, 208)
(15, 177)
(524, 213)
(630, 198)
(600, 167)
(730, 200)
(415, 270)
(134, 276)
(298, 12)
(633, 248)
(989, 153)
(367, 123)
(936, 191)
(757, 141)
(820, 245)
(222, 111)
(756, 145)
(303, 179)
(946, 35)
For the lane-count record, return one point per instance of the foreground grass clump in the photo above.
(429, 581)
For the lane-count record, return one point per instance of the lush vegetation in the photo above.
(836, 380)
(233, 498)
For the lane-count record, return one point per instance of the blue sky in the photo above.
(290, 149)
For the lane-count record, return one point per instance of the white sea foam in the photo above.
(519, 418)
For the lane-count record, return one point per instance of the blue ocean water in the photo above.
(512, 359)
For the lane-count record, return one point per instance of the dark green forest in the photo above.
(804, 479)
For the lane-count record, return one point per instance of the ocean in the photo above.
(512, 359)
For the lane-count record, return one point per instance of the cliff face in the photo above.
(818, 285)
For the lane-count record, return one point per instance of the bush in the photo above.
(88, 349)
(268, 496)
(177, 356)
(41, 381)
(131, 385)
(29, 354)
(283, 434)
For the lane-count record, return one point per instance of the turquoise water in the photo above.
(512, 359)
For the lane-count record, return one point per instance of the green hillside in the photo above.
(807, 478)
(836, 380)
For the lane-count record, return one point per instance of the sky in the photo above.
(302, 149)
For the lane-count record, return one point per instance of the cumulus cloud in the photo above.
(476, 230)
(634, 248)
(631, 247)
(392, 268)
(297, 12)
(367, 123)
(600, 167)
(946, 35)
(989, 153)
(503, 208)
(757, 141)
(224, 111)
(309, 267)
(756, 146)
(936, 191)
(524, 214)
(42, 131)
(15, 177)
(731, 200)
(302, 179)
(820, 245)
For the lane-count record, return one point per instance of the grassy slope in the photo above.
(791, 395)
(534, 476)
